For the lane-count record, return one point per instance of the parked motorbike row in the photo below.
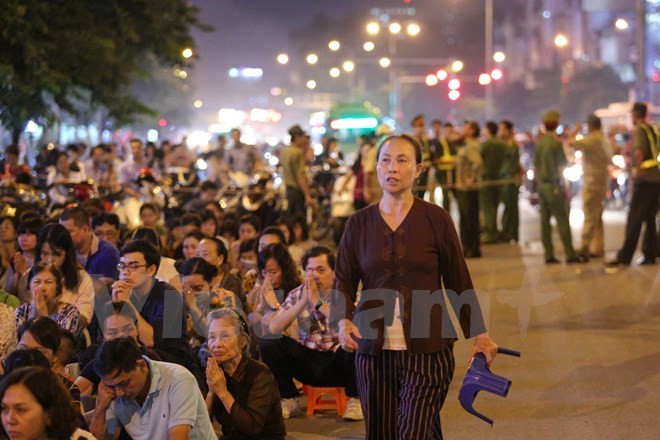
(262, 193)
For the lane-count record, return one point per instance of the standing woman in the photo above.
(402, 249)
(468, 178)
(55, 247)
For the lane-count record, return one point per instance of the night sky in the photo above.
(252, 32)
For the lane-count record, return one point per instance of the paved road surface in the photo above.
(590, 367)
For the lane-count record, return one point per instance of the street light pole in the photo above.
(489, 58)
(393, 85)
(640, 35)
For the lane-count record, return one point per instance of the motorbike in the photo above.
(261, 195)
(150, 190)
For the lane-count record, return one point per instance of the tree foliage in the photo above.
(76, 54)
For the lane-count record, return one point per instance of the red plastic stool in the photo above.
(317, 399)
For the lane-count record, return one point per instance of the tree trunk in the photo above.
(15, 135)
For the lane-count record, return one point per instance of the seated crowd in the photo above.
(158, 332)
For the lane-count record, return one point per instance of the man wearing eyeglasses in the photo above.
(159, 306)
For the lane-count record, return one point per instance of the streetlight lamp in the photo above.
(187, 53)
(621, 24)
(561, 40)
(312, 58)
(368, 46)
(395, 32)
(283, 58)
(395, 28)
(334, 45)
(373, 28)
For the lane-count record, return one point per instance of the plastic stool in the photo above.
(316, 400)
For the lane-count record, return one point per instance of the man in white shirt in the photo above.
(148, 399)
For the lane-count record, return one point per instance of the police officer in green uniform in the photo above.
(443, 151)
(549, 162)
(492, 153)
(509, 191)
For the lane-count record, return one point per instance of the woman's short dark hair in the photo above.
(195, 234)
(475, 128)
(44, 330)
(250, 219)
(208, 215)
(49, 391)
(30, 357)
(411, 140)
(147, 234)
(30, 224)
(148, 250)
(287, 224)
(299, 219)
(220, 247)
(198, 266)
(152, 206)
(11, 218)
(274, 230)
(248, 246)
(191, 218)
(121, 308)
(228, 225)
(58, 237)
(45, 267)
(280, 253)
(117, 356)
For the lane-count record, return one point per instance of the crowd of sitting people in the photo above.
(158, 331)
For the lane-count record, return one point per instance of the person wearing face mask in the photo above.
(248, 264)
(243, 395)
(46, 287)
(226, 288)
(119, 321)
(248, 229)
(196, 276)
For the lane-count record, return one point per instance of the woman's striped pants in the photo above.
(402, 393)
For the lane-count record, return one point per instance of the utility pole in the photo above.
(641, 90)
(488, 111)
